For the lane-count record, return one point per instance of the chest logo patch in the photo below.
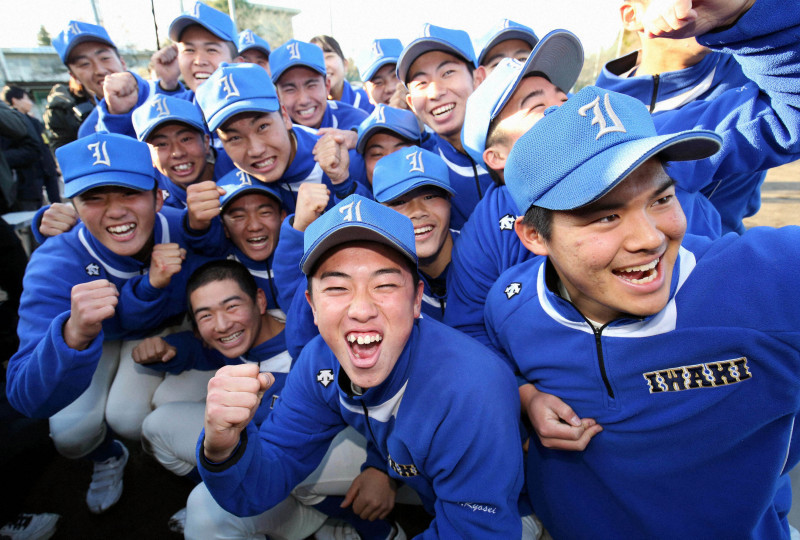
(325, 377)
(92, 269)
(507, 222)
(405, 471)
(513, 290)
(698, 376)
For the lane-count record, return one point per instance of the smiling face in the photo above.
(260, 144)
(227, 318)
(380, 88)
(428, 207)
(364, 303)
(304, 94)
(179, 152)
(510, 48)
(381, 144)
(616, 255)
(335, 68)
(89, 62)
(253, 222)
(439, 85)
(121, 219)
(524, 108)
(200, 53)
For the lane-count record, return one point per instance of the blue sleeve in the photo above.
(272, 460)
(45, 375)
(122, 123)
(190, 353)
(759, 122)
(286, 263)
(36, 222)
(211, 243)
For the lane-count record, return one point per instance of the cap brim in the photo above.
(363, 137)
(584, 185)
(505, 35)
(258, 48)
(401, 188)
(84, 38)
(420, 47)
(373, 69)
(124, 179)
(350, 231)
(265, 105)
(169, 120)
(183, 21)
(277, 75)
(249, 190)
(559, 55)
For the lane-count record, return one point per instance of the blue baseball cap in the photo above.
(357, 218)
(162, 109)
(401, 122)
(105, 159)
(234, 89)
(250, 40)
(407, 169)
(559, 55)
(216, 22)
(295, 53)
(78, 32)
(381, 52)
(237, 183)
(504, 31)
(436, 38)
(579, 151)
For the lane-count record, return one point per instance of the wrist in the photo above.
(74, 338)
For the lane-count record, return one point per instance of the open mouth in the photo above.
(422, 231)
(444, 109)
(201, 75)
(122, 232)
(364, 347)
(183, 169)
(264, 164)
(258, 241)
(232, 337)
(306, 114)
(641, 274)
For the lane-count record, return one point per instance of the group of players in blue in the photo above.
(529, 311)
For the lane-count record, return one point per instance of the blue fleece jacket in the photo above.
(45, 375)
(358, 98)
(697, 402)
(439, 427)
(736, 197)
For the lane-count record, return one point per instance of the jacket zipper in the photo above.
(600, 359)
(477, 182)
(369, 427)
(654, 99)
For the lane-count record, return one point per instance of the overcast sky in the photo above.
(354, 23)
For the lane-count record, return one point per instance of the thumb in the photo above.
(566, 414)
(221, 191)
(169, 355)
(349, 497)
(265, 380)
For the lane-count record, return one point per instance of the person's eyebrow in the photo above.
(440, 66)
(208, 308)
(333, 273)
(533, 94)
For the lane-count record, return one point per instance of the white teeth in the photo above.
(307, 113)
(364, 340)
(642, 267)
(202, 75)
(121, 229)
(231, 337)
(443, 109)
(183, 167)
(257, 240)
(265, 163)
(423, 230)
(646, 279)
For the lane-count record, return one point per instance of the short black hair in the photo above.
(10, 93)
(412, 268)
(540, 219)
(220, 270)
(328, 45)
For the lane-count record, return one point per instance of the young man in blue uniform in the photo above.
(368, 370)
(440, 72)
(254, 49)
(378, 69)
(336, 66)
(103, 281)
(669, 341)
(299, 75)
(506, 39)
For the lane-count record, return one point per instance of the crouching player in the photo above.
(370, 369)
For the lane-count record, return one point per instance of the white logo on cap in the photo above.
(349, 208)
(197, 10)
(73, 28)
(415, 159)
(244, 178)
(99, 153)
(380, 116)
(160, 104)
(600, 119)
(248, 38)
(294, 50)
(227, 85)
(376, 49)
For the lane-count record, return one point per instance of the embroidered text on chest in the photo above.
(697, 376)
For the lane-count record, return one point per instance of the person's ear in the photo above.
(530, 238)
(310, 301)
(261, 301)
(478, 76)
(495, 158)
(630, 15)
(159, 199)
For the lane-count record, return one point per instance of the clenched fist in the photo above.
(153, 350)
(121, 92)
(57, 219)
(90, 304)
(312, 199)
(331, 154)
(165, 262)
(202, 204)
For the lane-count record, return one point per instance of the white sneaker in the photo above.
(106, 487)
(333, 529)
(177, 523)
(30, 527)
